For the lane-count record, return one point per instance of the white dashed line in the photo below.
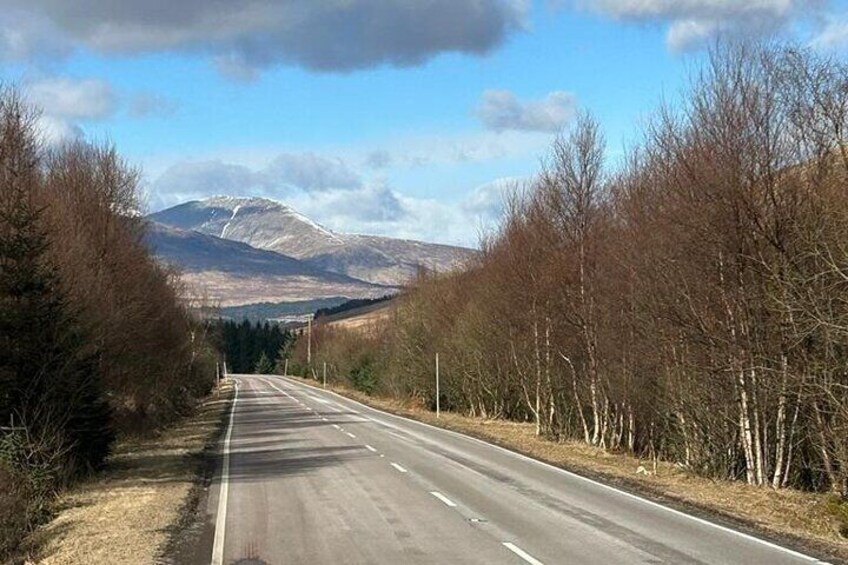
(371, 449)
(522, 554)
(443, 498)
(399, 468)
(350, 435)
(336, 426)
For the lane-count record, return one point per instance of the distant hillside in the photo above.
(235, 273)
(350, 307)
(270, 225)
(280, 310)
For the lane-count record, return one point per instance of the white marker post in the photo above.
(309, 341)
(286, 368)
(325, 374)
(438, 407)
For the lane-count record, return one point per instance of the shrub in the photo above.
(363, 377)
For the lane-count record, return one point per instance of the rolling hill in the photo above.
(234, 273)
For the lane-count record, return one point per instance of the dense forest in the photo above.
(95, 340)
(252, 347)
(351, 305)
(689, 303)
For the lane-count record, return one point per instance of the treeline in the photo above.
(94, 340)
(351, 305)
(690, 304)
(252, 347)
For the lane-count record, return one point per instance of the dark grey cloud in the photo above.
(243, 36)
(691, 22)
(501, 110)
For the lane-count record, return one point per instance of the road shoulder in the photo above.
(138, 509)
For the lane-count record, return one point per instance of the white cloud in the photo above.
(350, 203)
(62, 97)
(56, 130)
(286, 174)
(30, 36)
(311, 172)
(144, 104)
(501, 110)
(833, 34)
(379, 159)
(692, 22)
(486, 202)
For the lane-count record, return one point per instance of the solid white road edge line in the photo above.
(522, 554)
(572, 474)
(399, 468)
(443, 498)
(221, 517)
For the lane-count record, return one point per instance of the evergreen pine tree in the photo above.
(264, 366)
(48, 383)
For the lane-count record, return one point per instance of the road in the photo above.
(310, 477)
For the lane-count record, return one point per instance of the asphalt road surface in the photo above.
(310, 477)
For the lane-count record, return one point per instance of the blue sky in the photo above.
(377, 116)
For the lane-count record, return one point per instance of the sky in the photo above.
(391, 117)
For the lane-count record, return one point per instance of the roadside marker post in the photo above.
(309, 341)
(286, 368)
(438, 406)
(325, 374)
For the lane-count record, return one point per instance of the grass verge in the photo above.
(129, 512)
(810, 522)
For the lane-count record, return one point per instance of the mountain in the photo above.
(274, 226)
(234, 273)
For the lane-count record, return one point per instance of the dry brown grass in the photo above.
(784, 513)
(368, 323)
(124, 515)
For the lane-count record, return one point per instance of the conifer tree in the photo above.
(264, 366)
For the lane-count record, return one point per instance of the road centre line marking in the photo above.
(369, 448)
(350, 435)
(443, 498)
(522, 554)
(399, 468)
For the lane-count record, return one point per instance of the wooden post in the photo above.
(438, 401)
(309, 341)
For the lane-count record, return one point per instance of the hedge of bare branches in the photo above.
(689, 303)
(94, 339)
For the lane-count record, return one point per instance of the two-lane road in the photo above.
(311, 477)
